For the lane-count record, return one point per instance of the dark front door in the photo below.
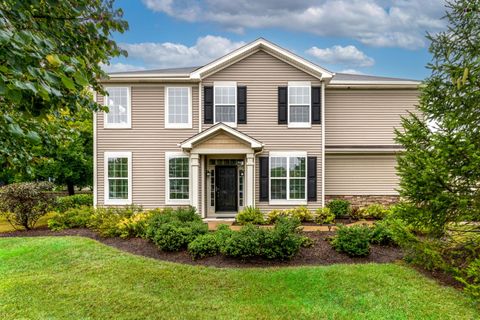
(225, 188)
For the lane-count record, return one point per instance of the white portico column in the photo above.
(195, 174)
(250, 180)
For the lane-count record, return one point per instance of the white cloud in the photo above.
(347, 56)
(384, 23)
(167, 54)
(351, 71)
(120, 67)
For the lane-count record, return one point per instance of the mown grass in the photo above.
(78, 278)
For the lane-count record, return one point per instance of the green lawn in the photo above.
(78, 278)
(5, 226)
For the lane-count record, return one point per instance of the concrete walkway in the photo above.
(213, 225)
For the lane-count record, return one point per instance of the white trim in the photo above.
(174, 125)
(322, 115)
(286, 154)
(299, 84)
(200, 105)
(95, 183)
(106, 187)
(261, 44)
(168, 156)
(127, 125)
(225, 84)
(188, 144)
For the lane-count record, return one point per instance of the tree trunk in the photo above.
(70, 188)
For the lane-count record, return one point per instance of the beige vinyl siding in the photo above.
(221, 141)
(351, 174)
(263, 74)
(365, 117)
(148, 140)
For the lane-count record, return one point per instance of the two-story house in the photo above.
(259, 127)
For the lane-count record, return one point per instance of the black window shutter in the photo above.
(282, 105)
(316, 105)
(263, 178)
(242, 104)
(208, 104)
(312, 179)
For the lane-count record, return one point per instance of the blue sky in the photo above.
(378, 37)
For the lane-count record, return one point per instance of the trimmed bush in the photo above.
(273, 215)
(244, 244)
(62, 204)
(283, 241)
(175, 236)
(354, 240)
(375, 210)
(134, 226)
(356, 213)
(78, 217)
(205, 245)
(105, 221)
(324, 216)
(250, 215)
(302, 213)
(23, 204)
(382, 233)
(339, 207)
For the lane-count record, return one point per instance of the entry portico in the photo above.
(222, 168)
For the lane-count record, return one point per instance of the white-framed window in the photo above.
(118, 178)
(288, 177)
(177, 173)
(225, 103)
(119, 107)
(178, 107)
(299, 104)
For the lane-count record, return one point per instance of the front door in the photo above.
(226, 188)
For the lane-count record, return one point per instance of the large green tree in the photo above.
(440, 168)
(50, 51)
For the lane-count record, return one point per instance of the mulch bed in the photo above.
(321, 253)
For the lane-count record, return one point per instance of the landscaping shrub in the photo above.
(176, 235)
(205, 245)
(23, 204)
(273, 215)
(185, 214)
(78, 217)
(301, 213)
(244, 244)
(339, 207)
(324, 216)
(382, 233)
(250, 215)
(375, 210)
(356, 213)
(353, 240)
(134, 226)
(470, 277)
(105, 221)
(62, 204)
(283, 241)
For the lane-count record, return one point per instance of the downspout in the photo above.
(323, 143)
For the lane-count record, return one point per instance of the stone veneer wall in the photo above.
(365, 200)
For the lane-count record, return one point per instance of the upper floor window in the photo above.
(178, 107)
(119, 111)
(299, 104)
(118, 178)
(225, 103)
(288, 177)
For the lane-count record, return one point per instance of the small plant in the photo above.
(134, 226)
(324, 216)
(244, 244)
(78, 217)
(250, 215)
(205, 245)
(354, 240)
(339, 207)
(301, 213)
(283, 241)
(62, 204)
(105, 221)
(382, 233)
(23, 204)
(273, 215)
(175, 236)
(356, 213)
(375, 210)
